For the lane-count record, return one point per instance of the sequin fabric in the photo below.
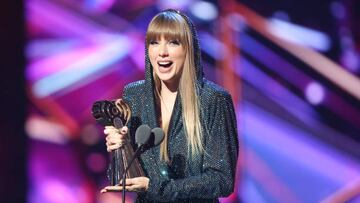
(205, 177)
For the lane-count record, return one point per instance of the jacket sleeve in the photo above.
(219, 160)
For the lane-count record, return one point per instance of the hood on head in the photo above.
(149, 80)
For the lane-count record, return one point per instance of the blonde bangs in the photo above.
(166, 25)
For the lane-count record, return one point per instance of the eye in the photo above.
(174, 42)
(154, 42)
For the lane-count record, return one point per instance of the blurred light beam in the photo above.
(102, 57)
(300, 35)
(204, 10)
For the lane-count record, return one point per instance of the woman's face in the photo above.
(167, 58)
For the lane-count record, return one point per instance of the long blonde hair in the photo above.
(172, 25)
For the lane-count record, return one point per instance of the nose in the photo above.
(163, 52)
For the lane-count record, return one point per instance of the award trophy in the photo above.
(117, 113)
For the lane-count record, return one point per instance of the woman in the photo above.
(196, 161)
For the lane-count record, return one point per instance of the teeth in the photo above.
(164, 63)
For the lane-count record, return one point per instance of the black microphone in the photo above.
(145, 139)
(159, 136)
(155, 138)
(142, 135)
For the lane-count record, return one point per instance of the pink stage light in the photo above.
(314, 93)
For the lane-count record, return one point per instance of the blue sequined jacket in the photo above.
(200, 179)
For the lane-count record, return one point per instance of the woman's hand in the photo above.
(137, 184)
(115, 138)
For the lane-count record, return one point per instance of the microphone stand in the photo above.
(136, 154)
(154, 139)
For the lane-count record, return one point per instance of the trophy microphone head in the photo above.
(159, 135)
(142, 135)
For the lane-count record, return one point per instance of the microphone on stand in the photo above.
(145, 139)
(156, 136)
(159, 136)
(142, 137)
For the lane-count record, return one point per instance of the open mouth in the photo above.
(165, 64)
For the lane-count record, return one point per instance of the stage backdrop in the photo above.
(298, 111)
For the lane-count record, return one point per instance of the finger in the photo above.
(113, 147)
(131, 188)
(110, 130)
(115, 138)
(129, 181)
(124, 130)
(114, 188)
(108, 144)
(110, 127)
(139, 183)
(116, 141)
(134, 188)
(102, 191)
(135, 180)
(115, 135)
(122, 136)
